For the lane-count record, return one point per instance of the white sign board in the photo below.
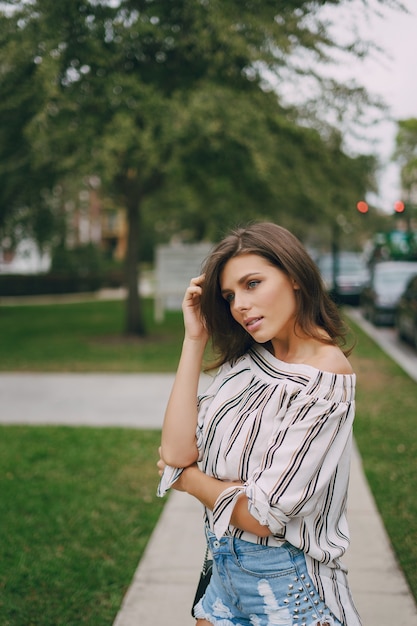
(175, 265)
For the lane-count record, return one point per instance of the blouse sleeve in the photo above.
(298, 466)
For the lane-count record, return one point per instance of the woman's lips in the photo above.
(253, 323)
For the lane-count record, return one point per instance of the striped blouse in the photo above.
(285, 431)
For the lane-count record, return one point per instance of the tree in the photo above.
(21, 182)
(167, 101)
(406, 154)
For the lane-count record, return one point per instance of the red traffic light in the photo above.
(399, 206)
(362, 206)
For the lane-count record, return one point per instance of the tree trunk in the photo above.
(134, 320)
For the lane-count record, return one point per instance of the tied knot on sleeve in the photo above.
(223, 509)
(169, 477)
(260, 507)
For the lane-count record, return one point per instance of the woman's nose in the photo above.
(240, 302)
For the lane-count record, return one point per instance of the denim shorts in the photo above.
(255, 585)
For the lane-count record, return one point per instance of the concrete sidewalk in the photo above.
(164, 584)
(125, 400)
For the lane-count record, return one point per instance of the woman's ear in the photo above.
(295, 285)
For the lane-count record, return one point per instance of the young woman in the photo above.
(266, 449)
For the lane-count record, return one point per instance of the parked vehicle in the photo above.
(352, 276)
(380, 297)
(406, 314)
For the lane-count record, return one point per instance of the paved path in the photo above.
(127, 400)
(164, 584)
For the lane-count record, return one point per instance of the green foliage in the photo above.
(168, 100)
(406, 153)
(77, 507)
(50, 284)
(82, 260)
(21, 180)
(168, 105)
(272, 170)
(79, 269)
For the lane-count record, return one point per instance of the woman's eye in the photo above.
(229, 297)
(253, 283)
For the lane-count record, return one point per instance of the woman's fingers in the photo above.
(198, 280)
(195, 288)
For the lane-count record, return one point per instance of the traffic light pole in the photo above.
(335, 255)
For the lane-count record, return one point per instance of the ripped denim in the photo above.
(255, 585)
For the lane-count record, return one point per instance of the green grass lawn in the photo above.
(386, 434)
(77, 508)
(78, 504)
(85, 336)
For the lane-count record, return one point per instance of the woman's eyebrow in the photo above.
(241, 281)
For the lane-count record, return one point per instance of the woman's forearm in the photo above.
(207, 490)
(178, 443)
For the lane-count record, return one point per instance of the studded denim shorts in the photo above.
(255, 585)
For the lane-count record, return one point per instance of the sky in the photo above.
(394, 77)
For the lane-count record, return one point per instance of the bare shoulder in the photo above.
(330, 358)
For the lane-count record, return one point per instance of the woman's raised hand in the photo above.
(194, 325)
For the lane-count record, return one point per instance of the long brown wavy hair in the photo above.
(315, 309)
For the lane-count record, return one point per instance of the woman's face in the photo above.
(261, 297)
